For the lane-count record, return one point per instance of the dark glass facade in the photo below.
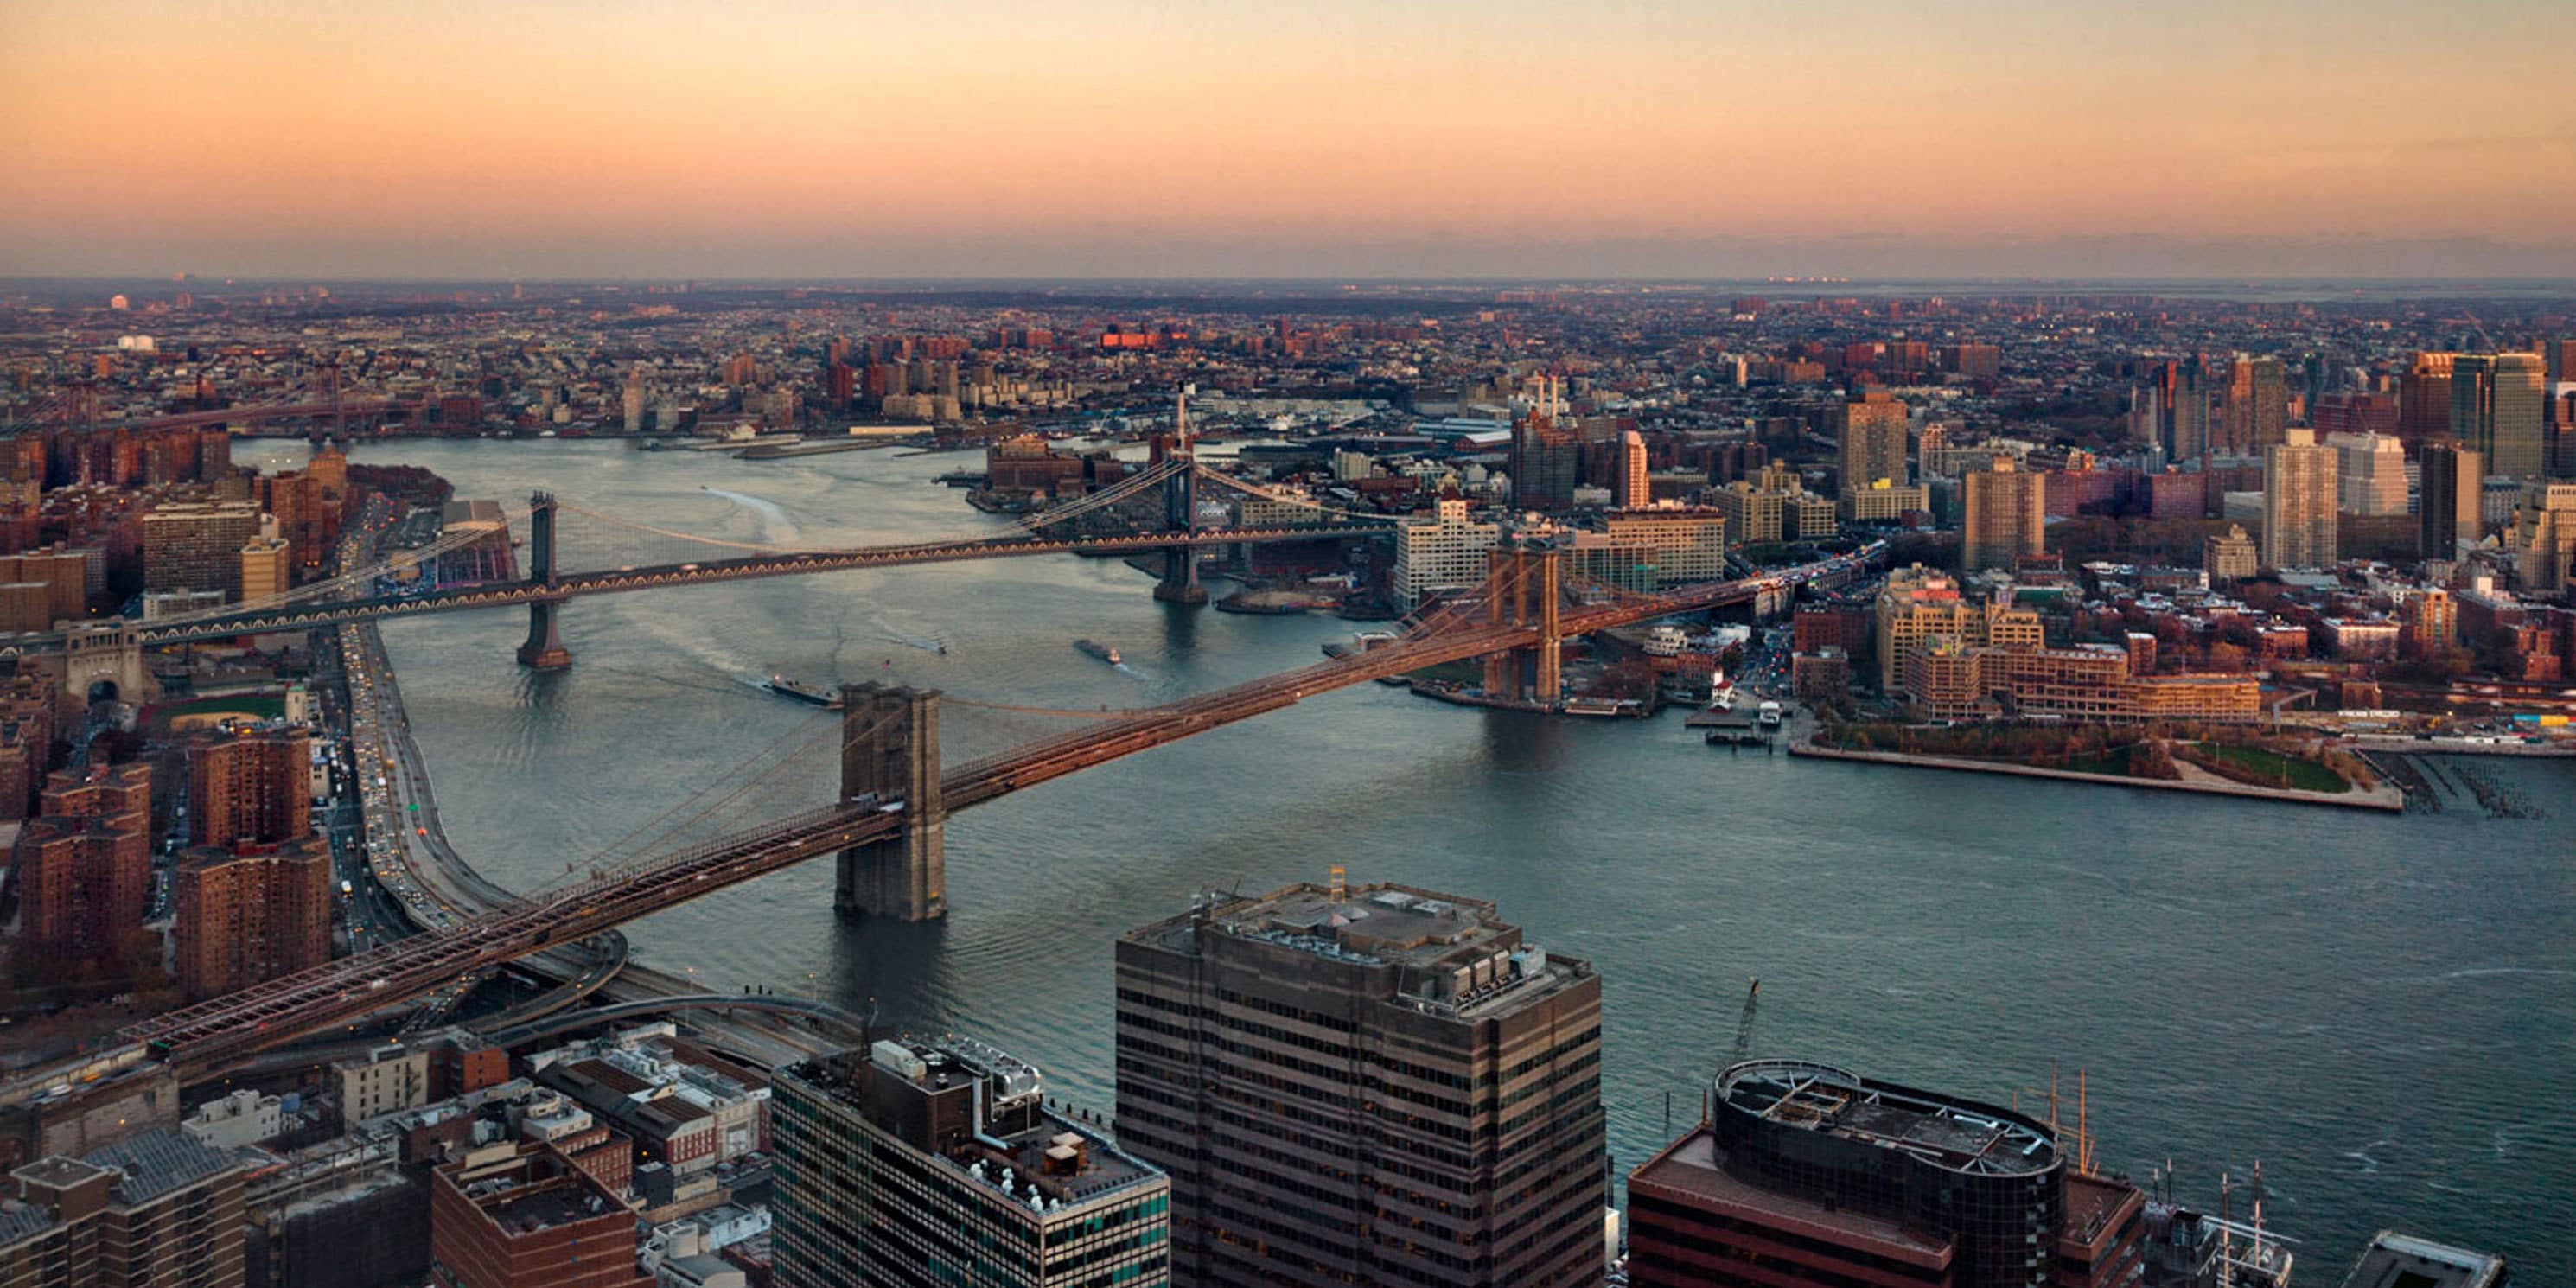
(1987, 1182)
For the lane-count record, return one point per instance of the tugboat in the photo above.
(1105, 652)
(828, 699)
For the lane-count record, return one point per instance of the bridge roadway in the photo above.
(267, 1015)
(572, 585)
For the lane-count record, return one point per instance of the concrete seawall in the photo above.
(2380, 797)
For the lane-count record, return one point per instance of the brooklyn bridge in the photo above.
(887, 826)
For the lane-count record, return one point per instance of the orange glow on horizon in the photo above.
(501, 136)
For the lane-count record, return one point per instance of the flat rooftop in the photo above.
(1022, 1147)
(1958, 1135)
(1452, 951)
(1695, 1167)
(2396, 1260)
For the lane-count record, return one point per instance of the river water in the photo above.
(2380, 1009)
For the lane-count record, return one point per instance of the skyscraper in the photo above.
(2256, 407)
(918, 1164)
(2182, 407)
(1364, 1085)
(2300, 494)
(1635, 487)
(2371, 473)
(631, 401)
(2424, 398)
(2451, 497)
(2005, 517)
(1869, 436)
(2496, 411)
(1547, 458)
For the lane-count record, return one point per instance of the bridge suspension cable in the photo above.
(1250, 488)
(1020, 527)
(339, 586)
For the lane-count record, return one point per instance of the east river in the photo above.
(2380, 1009)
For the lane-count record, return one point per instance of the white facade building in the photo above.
(1446, 553)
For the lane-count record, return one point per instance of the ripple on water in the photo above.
(2239, 981)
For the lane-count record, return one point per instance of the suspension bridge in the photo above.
(887, 825)
(575, 552)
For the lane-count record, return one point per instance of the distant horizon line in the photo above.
(1455, 280)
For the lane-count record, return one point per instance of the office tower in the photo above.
(2543, 539)
(2005, 517)
(1546, 459)
(920, 1164)
(631, 401)
(2560, 429)
(85, 865)
(2451, 498)
(2300, 492)
(2356, 414)
(2182, 407)
(1869, 437)
(251, 913)
(1805, 1174)
(158, 1211)
(2495, 411)
(1364, 1085)
(2370, 472)
(1634, 486)
(267, 569)
(2230, 556)
(253, 786)
(520, 1215)
(2562, 358)
(197, 545)
(2255, 407)
(2424, 397)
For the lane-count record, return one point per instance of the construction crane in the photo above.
(1744, 1026)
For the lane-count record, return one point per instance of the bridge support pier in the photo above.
(1526, 583)
(890, 754)
(544, 649)
(1180, 583)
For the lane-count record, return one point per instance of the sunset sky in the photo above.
(1326, 137)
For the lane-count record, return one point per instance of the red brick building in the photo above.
(251, 913)
(520, 1216)
(85, 866)
(252, 787)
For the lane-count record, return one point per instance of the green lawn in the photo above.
(2271, 767)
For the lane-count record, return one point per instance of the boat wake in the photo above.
(769, 523)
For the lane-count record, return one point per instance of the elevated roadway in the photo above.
(225, 1029)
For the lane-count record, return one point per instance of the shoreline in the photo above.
(2383, 798)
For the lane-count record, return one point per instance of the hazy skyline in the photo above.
(1495, 139)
